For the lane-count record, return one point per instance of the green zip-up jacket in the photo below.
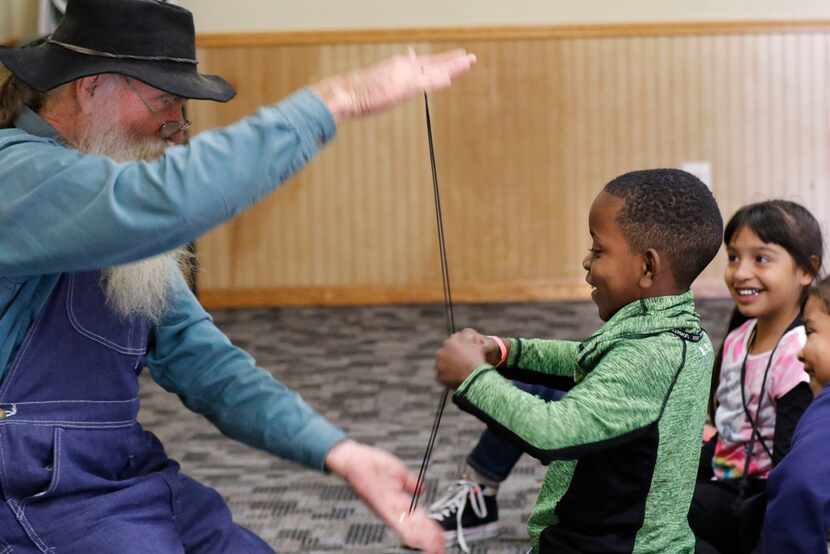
(623, 444)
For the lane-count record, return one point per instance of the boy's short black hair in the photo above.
(673, 212)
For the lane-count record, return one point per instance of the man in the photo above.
(99, 194)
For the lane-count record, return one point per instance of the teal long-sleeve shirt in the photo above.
(63, 211)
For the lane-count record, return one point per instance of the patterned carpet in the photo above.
(369, 369)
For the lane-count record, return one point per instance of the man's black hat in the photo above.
(148, 40)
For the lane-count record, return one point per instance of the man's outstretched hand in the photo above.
(384, 483)
(390, 82)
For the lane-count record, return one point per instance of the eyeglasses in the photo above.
(168, 129)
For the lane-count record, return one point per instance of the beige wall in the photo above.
(523, 144)
(267, 15)
(18, 19)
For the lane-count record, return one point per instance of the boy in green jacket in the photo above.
(623, 444)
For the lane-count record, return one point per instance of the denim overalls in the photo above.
(78, 474)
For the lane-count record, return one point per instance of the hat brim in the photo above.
(47, 66)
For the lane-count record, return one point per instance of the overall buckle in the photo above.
(7, 411)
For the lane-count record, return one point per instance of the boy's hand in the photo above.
(460, 355)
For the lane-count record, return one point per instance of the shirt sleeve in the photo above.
(64, 211)
(192, 358)
(612, 404)
(555, 357)
(788, 411)
(788, 372)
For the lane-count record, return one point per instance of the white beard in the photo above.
(140, 288)
(105, 138)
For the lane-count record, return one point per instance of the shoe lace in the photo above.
(454, 501)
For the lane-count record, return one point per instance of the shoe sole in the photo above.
(478, 533)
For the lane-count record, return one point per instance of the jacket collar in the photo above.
(33, 124)
(639, 319)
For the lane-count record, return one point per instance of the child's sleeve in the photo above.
(791, 391)
(787, 371)
(552, 357)
(616, 402)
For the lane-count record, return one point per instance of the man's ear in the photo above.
(85, 90)
(652, 266)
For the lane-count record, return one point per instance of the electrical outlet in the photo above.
(701, 170)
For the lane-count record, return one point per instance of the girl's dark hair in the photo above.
(781, 222)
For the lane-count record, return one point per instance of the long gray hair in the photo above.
(14, 94)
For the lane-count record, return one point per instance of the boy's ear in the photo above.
(651, 267)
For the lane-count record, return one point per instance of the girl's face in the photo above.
(816, 353)
(762, 277)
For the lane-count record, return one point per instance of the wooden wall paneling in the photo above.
(819, 142)
(795, 174)
(523, 144)
(567, 140)
(442, 35)
(493, 135)
(721, 132)
(234, 253)
(818, 138)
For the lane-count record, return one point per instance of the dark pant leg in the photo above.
(751, 515)
(205, 522)
(494, 456)
(712, 517)
(136, 519)
(13, 536)
(703, 547)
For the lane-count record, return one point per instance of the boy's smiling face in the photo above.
(614, 270)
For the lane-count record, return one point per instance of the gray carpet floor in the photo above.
(369, 369)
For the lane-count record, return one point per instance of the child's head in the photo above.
(774, 250)
(816, 352)
(653, 232)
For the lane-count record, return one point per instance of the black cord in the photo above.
(744, 486)
(448, 309)
(756, 433)
(439, 217)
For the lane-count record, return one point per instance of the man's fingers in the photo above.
(443, 57)
(419, 531)
(452, 66)
(386, 486)
(435, 78)
(460, 65)
(390, 82)
(410, 482)
(438, 70)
